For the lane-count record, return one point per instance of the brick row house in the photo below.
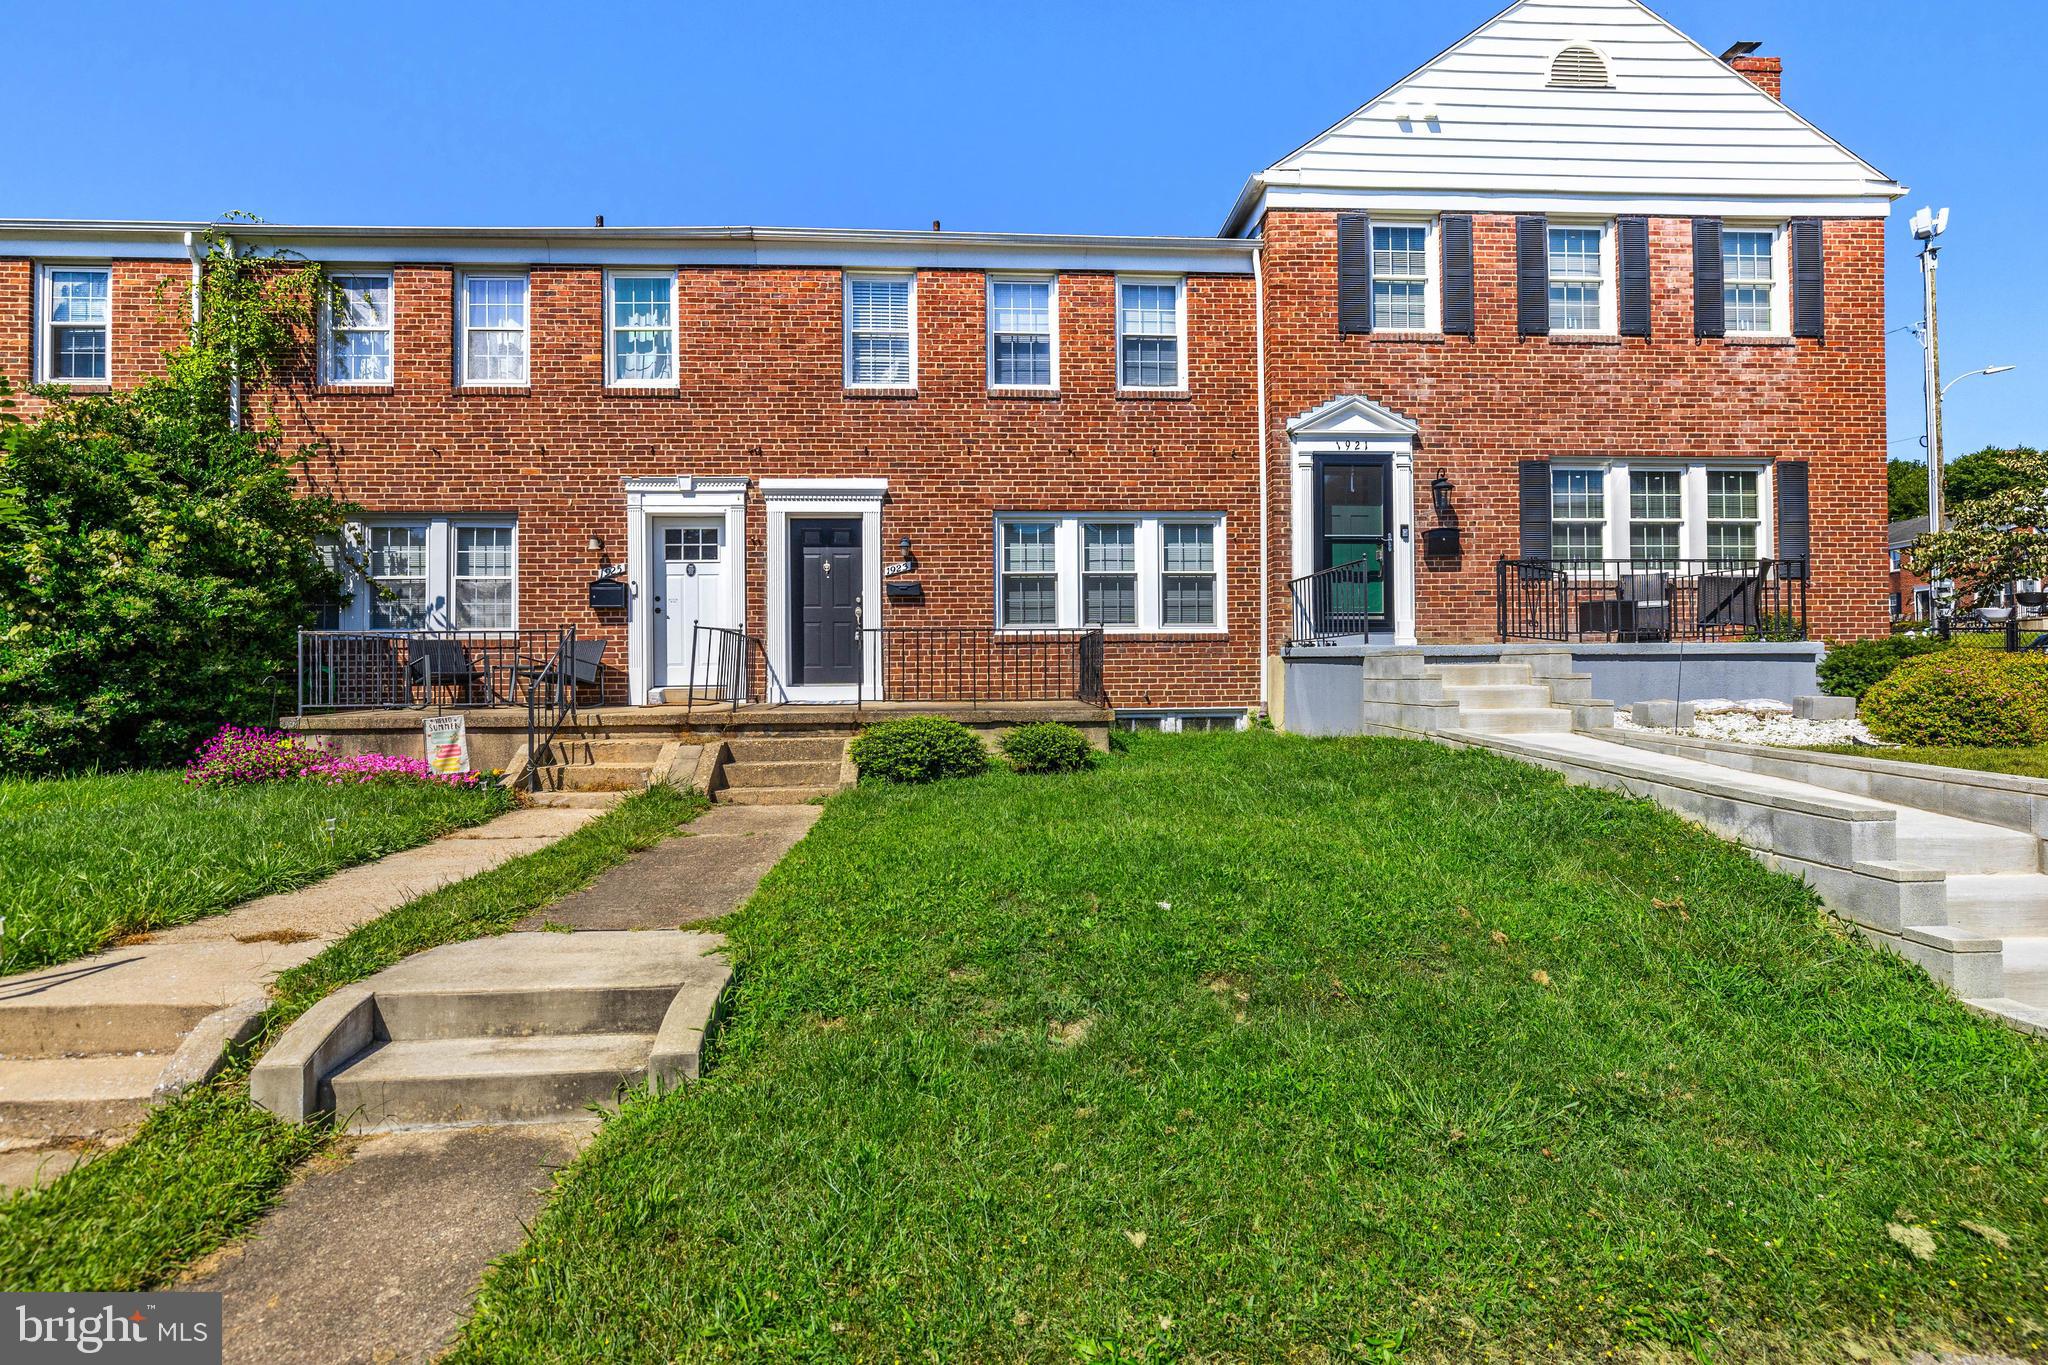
(1574, 299)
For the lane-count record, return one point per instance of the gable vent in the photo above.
(1580, 67)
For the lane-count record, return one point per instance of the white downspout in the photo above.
(1265, 510)
(234, 370)
(192, 250)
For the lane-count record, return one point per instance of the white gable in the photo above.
(1481, 126)
(1349, 415)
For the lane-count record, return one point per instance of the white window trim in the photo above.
(46, 331)
(611, 331)
(439, 613)
(327, 329)
(1610, 285)
(462, 331)
(1692, 532)
(847, 279)
(1180, 318)
(1607, 517)
(1149, 547)
(1052, 283)
(1781, 271)
(1433, 286)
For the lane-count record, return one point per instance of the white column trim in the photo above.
(849, 498)
(675, 495)
(1400, 452)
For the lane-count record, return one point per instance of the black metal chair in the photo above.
(1646, 605)
(438, 661)
(586, 665)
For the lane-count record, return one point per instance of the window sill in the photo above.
(353, 390)
(1128, 633)
(643, 390)
(97, 388)
(1154, 395)
(494, 390)
(1025, 395)
(1584, 339)
(1764, 341)
(1399, 338)
(855, 392)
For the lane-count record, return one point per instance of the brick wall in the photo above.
(151, 313)
(1488, 401)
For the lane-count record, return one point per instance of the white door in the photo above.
(689, 556)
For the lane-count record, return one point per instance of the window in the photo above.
(1109, 574)
(691, 544)
(1021, 332)
(493, 317)
(1149, 334)
(1154, 572)
(881, 321)
(1181, 722)
(76, 307)
(1656, 514)
(1188, 573)
(1896, 604)
(1578, 271)
(358, 329)
(640, 333)
(1578, 515)
(483, 578)
(398, 573)
(1750, 276)
(1400, 278)
(1896, 557)
(1734, 511)
(1028, 594)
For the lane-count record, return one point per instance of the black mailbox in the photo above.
(608, 594)
(901, 591)
(1441, 542)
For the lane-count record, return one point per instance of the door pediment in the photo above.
(1350, 416)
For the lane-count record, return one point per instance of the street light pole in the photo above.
(1927, 226)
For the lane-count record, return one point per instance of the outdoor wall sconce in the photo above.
(596, 545)
(1442, 541)
(1440, 494)
(908, 559)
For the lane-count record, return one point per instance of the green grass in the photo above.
(85, 860)
(206, 1166)
(1236, 1048)
(2027, 762)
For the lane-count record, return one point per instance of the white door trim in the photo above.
(669, 496)
(1357, 426)
(848, 498)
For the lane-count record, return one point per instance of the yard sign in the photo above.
(447, 745)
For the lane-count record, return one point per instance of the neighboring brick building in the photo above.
(1605, 293)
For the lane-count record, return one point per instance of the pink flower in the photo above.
(237, 756)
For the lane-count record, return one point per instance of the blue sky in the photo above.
(1116, 116)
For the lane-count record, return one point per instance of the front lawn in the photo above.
(85, 860)
(1247, 1047)
(2026, 762)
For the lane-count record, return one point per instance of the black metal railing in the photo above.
(728, 667)
(369, 670)
(2016, 616)
(976, 664)
(550, 702)
(1667, 599)
(1334, 604)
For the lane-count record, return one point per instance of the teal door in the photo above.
(1353, 527)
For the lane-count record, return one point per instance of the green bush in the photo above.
(917, 749)
(1852, 670)
(1971, 698)
(1047, 748)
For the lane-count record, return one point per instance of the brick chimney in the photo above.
(1765, 73)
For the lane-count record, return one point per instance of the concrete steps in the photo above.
(2000, 905)
(1964, 846)
(1518, 720)
(1498, 696)
(438, 1081)
(1482, 675)
(782, 770)
(45, 1097)
(574, 799)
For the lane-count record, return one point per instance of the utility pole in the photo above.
(1928, 227)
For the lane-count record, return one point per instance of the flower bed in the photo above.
(236, 756)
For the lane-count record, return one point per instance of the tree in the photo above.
(157, 556)
(1965, 479)
(1994, 539)
(1908, 480)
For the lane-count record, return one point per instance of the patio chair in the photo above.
(586, 665)
(437, 661)
(1646, 605)
(1729, 602)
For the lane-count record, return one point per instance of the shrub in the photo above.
(1047, 748)
(236, 757)
(1852, 670)
(917, 749)
(1971, 698)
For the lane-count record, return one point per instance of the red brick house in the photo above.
(1575, 298)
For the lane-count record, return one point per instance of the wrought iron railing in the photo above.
(1333, 604)
(368, 670)
(550, 702)
(728, 667)
(977, 664)
(1666, 599)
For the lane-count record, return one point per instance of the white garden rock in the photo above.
(1762, 721)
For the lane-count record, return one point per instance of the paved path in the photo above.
(703, 872)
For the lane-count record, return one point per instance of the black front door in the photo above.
(1353, 527)
(825, 574)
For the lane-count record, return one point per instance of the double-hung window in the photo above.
(1022, 332)
(357, 328)
(1151, 334)
(1028, 590)
(483, 578)
(1579, 294)
(881, 332)
(1187, 573)
(434, 573)
(1109, 573)
(494, 330)
(397, 562)
(76, 307)
(1734, 514)
(1578, 515)
(1656, 515)
(640, 330)
(1400, 277)
(1750, 278)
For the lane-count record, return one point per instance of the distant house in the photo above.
(1911, 598)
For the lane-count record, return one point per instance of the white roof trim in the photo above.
(1352, 415)
(824, 490)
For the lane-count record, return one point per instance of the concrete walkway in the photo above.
(89, 1045)
(704, 872)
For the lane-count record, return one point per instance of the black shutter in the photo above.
(1809, 280)
(1532, 275)
(1635, 277)
(1709, 305)
(1535, 484)
(1795, 526)
(1457, 235)
(1354, 274)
